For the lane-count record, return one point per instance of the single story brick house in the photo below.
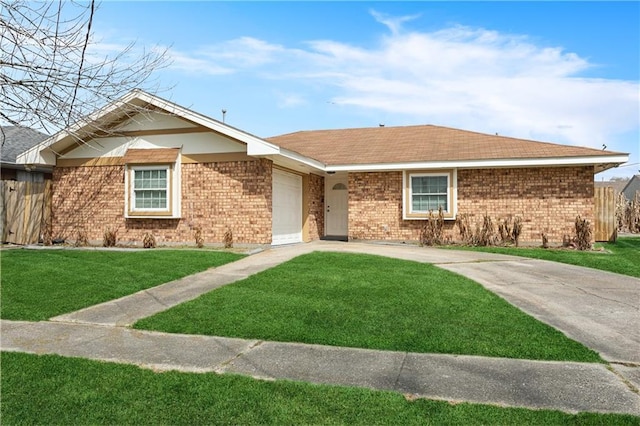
(144, 164)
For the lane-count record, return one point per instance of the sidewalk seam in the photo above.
(223, 365)
(404, 359)
(624, 380)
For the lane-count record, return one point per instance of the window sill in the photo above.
(414, 216)
(151, 215)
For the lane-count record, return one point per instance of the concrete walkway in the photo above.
(596, 308)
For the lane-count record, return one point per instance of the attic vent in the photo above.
(339, 186)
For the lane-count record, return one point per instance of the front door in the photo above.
(336, 206)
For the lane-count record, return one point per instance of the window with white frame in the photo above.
(150, 189)
(152, 182)
(427, 191)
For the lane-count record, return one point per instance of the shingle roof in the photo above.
(17, 140)
(385, 145)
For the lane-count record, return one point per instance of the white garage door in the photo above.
(287, 208)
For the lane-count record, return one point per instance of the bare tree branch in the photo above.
(52, 71)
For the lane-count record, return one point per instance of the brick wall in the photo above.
(316, 207)
(375, 208)
(215, 196)
(548, 200)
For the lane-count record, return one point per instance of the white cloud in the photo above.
(244, 52)
(394, 23)
(195, 65)
(464, 77)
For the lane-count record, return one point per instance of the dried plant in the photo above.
(197, 233)
(486, 235)
(509, 230)
(545, 240)
(464, 227)
(82, 240)
(516, 230)
(628, 213)
(432, 231)
(633, 217)
(149, 241)
(583, 234)
(504, 229)
(109, 238)
(567, 241)
(228, 239)
(621, 212)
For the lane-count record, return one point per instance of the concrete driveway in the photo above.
(597, 308)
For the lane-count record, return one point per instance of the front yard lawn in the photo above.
(40, 284)
(371, 302)
(621, 257)
(51, 390)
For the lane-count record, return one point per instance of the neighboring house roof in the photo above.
(632, 187)
(431, 144)
(617, 185)
(17, 140)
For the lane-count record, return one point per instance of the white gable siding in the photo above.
(154, 121)
(191, 143)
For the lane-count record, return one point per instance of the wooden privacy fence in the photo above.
(25, 211)
(606, 228)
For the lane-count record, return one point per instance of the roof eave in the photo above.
(606, 161)
(26, 167)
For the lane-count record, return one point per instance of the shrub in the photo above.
(228, 239)
(149, 241)
(628, 213)
(486, 235)
(583, 234)
(431, 232)
(199, 238)
(517, 230)
(510, 230)
(545, 240)
(109, 238)
(464, 227)
(82, 240)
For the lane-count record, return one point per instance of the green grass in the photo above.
(371, 302)
(621, 257)
(49, 389)
(40, 284)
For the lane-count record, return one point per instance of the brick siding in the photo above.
(238, 196)
(547, 199)
(215, 197)
(316, 207)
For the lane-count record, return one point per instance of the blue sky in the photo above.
(565, 72)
